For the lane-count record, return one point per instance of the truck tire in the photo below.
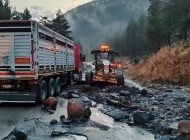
(120, 79)
(89, 77)
(71, 81)
(57, 86)
(43, 91)
(51, 87)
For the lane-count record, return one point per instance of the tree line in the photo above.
(58, 24)
(9, 13)
(167, 21)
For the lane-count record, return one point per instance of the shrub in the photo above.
(169, 64)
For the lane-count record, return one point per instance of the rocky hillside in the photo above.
(97, 21)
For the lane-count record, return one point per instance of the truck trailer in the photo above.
(35, 61)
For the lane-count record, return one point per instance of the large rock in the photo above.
(142, 117)
(184, 128)
(77, 110)
(116, 114)
(51, 103)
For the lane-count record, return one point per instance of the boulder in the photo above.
(142, 117)
(75, 109)
(184, 128)
(115, 113)
(51, 103)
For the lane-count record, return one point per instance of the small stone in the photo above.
(155, 103)
(72, 94)
(20, 135)
(143, 92)
(94, 104)
(87, 112)
(103, 90)
(86, 101)
(51, 111)
(124, 93)
(54, 121)
(168, 90)
(113, 102)
(65, 121)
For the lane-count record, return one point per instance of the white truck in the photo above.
(35, 61)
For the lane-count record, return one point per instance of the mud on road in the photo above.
(118, 112)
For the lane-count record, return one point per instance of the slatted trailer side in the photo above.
(34, 61)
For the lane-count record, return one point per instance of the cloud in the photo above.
(36, 7)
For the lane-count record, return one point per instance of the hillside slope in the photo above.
(97, 21)
(169, 65)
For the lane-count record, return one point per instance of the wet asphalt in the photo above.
(11, 114)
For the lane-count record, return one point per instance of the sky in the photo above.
(46, 7)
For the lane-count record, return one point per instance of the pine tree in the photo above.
(155, 24)
(16, 15)
(6, 10)
(59, 24)
(26, 15)
(181, 14)
(1, 9)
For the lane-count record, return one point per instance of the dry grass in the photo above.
(170, 65)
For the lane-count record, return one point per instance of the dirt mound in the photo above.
(169, 65)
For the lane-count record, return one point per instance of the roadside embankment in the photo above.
(168, 65)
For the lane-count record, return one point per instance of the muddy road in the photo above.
(116, 112)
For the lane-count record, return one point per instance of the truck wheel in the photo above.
(120, 79)
(51, 87)
(89, 77)
(57, 86)
(71, 79)
(43, 91)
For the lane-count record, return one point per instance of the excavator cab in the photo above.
(105, 67)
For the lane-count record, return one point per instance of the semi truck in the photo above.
(35, 61)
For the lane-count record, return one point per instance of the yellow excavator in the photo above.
(106, 69)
